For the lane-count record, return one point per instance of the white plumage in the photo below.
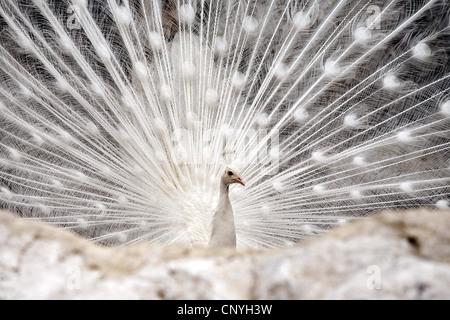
(223, 233)
(117, 117)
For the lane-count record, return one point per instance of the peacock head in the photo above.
(232, 175)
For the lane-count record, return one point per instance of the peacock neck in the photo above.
(224, 200)
(223, 229)
(224, 190)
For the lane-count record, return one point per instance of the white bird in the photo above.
(223, 230)
(117, 117)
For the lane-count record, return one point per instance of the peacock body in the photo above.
(117, 117)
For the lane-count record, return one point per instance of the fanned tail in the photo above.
(116, 117)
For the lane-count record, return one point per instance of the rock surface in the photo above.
(393, 255)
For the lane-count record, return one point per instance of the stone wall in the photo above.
(393, 255)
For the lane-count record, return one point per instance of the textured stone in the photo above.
(393, 255)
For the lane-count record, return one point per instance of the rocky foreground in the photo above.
(393, 255)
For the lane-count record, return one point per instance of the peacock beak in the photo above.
(239, 180)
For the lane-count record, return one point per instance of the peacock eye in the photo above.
(230, 173)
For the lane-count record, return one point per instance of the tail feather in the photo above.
(118, 116)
